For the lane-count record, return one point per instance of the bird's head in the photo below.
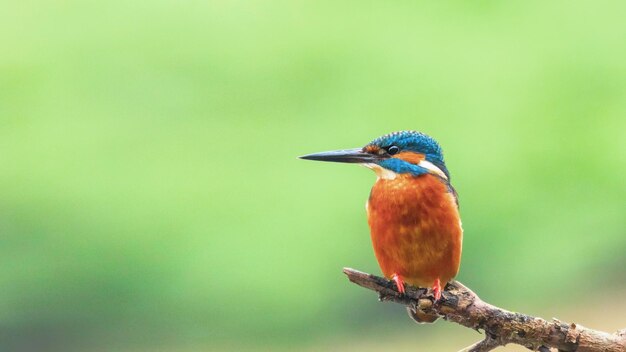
(404, 152)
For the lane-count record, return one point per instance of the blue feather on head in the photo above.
(411, 141)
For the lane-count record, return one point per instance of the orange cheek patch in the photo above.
(410, 157)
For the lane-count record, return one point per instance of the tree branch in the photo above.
(462, 306)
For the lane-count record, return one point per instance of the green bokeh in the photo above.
(151, 195)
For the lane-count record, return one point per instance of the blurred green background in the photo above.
(151, 199)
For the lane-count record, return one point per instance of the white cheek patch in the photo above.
(381, 172)
(432, 168)
(387, 174)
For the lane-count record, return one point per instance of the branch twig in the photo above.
(462, 306)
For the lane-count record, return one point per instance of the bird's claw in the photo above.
(437, 290)
(399, 283)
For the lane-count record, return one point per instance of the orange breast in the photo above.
(415, 228)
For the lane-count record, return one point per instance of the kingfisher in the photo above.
(412, 210)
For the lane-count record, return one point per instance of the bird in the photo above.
(412, 209)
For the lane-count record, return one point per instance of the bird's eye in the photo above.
(393, 150)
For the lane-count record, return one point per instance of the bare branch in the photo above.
(485, 345)
(462, 306)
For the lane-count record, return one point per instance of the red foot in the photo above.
(399, 282)
(437, 289)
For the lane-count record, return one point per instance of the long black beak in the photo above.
(343, 156)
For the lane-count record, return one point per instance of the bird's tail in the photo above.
(421, 317)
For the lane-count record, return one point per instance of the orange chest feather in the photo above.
(415, 228)
(411, 201)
